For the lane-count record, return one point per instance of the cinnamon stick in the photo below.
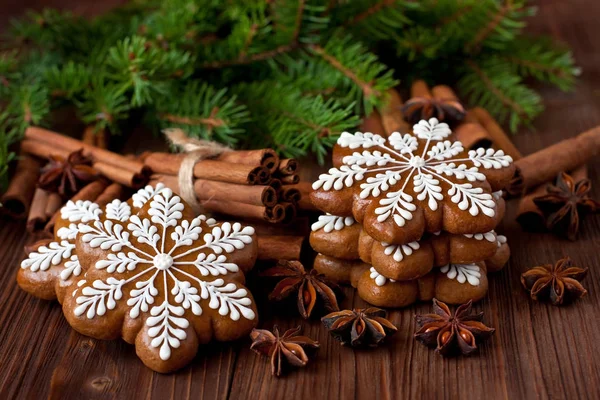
(113, 172)
(471, 133)
(235, 209)
(110, 193)
(499, 137)
(444, 92)
(168, 164)
(276, 214)
(272, 248)
(391, 114)
(53, 205)
(529, 216)
(289, 166)
(69, 144)
(290, 194)
(37, 213)
(419, 88)
(266, 158)
(289, 212)
(91, 191)
(305, 189)
(544, 165)
(290, 179)
(19, 194)
(94, 138)
(214, 190)
(276, 185)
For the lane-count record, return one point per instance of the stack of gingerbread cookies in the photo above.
(411, 216)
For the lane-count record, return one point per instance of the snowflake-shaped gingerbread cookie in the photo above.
(408, 184)
(161, 278)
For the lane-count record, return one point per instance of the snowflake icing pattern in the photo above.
(142, 266)
(60, 253)
(392, 165)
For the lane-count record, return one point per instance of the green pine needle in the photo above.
(203, 112)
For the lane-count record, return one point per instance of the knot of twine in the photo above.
(196, 150)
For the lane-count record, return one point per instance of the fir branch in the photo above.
(266, 55)
(501, 92)
(365, 75)
(366, 87)
(104, 105)
(542, 60)
(204, 112)
(502, 26)
(375, 19)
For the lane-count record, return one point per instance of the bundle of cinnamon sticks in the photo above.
(252, 184)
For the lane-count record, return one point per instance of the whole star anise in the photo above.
(445, 110)
(450, 333)
(288, 350)
(359, 327)
(310, 287)
(66, 176)
(566, 204)
(558, 283)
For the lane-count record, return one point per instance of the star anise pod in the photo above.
(359, 327)
(66, 176)
(445, 110)
(566, 204)
(450, 333)
(287, 350)
(558, 283)
(310, 287)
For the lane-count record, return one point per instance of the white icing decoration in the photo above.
(398, 252)
(67, 232)
(145, 194)
(392, 165)
(71, 267)
(379, 279)
(80, 211)
(497, 195)
(489, 236)
(463, 273)
(46, 256)
(181, 288)
(501, 240)
(118, 210)
(330, 222)
(56, 252)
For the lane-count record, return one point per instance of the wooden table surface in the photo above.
(538, 351)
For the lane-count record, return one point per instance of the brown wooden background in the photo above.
(538, 351)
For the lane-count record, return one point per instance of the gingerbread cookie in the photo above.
(160, 278)
(415, 259)
(336, 236)
(403, 186)
(452, 283)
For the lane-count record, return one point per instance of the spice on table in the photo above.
(452, 333)
(66, 176)
(359, 327)
(287, 350)
(310, 287)
(566, 204)
(559, 283)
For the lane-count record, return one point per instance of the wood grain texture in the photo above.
(538, 351)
